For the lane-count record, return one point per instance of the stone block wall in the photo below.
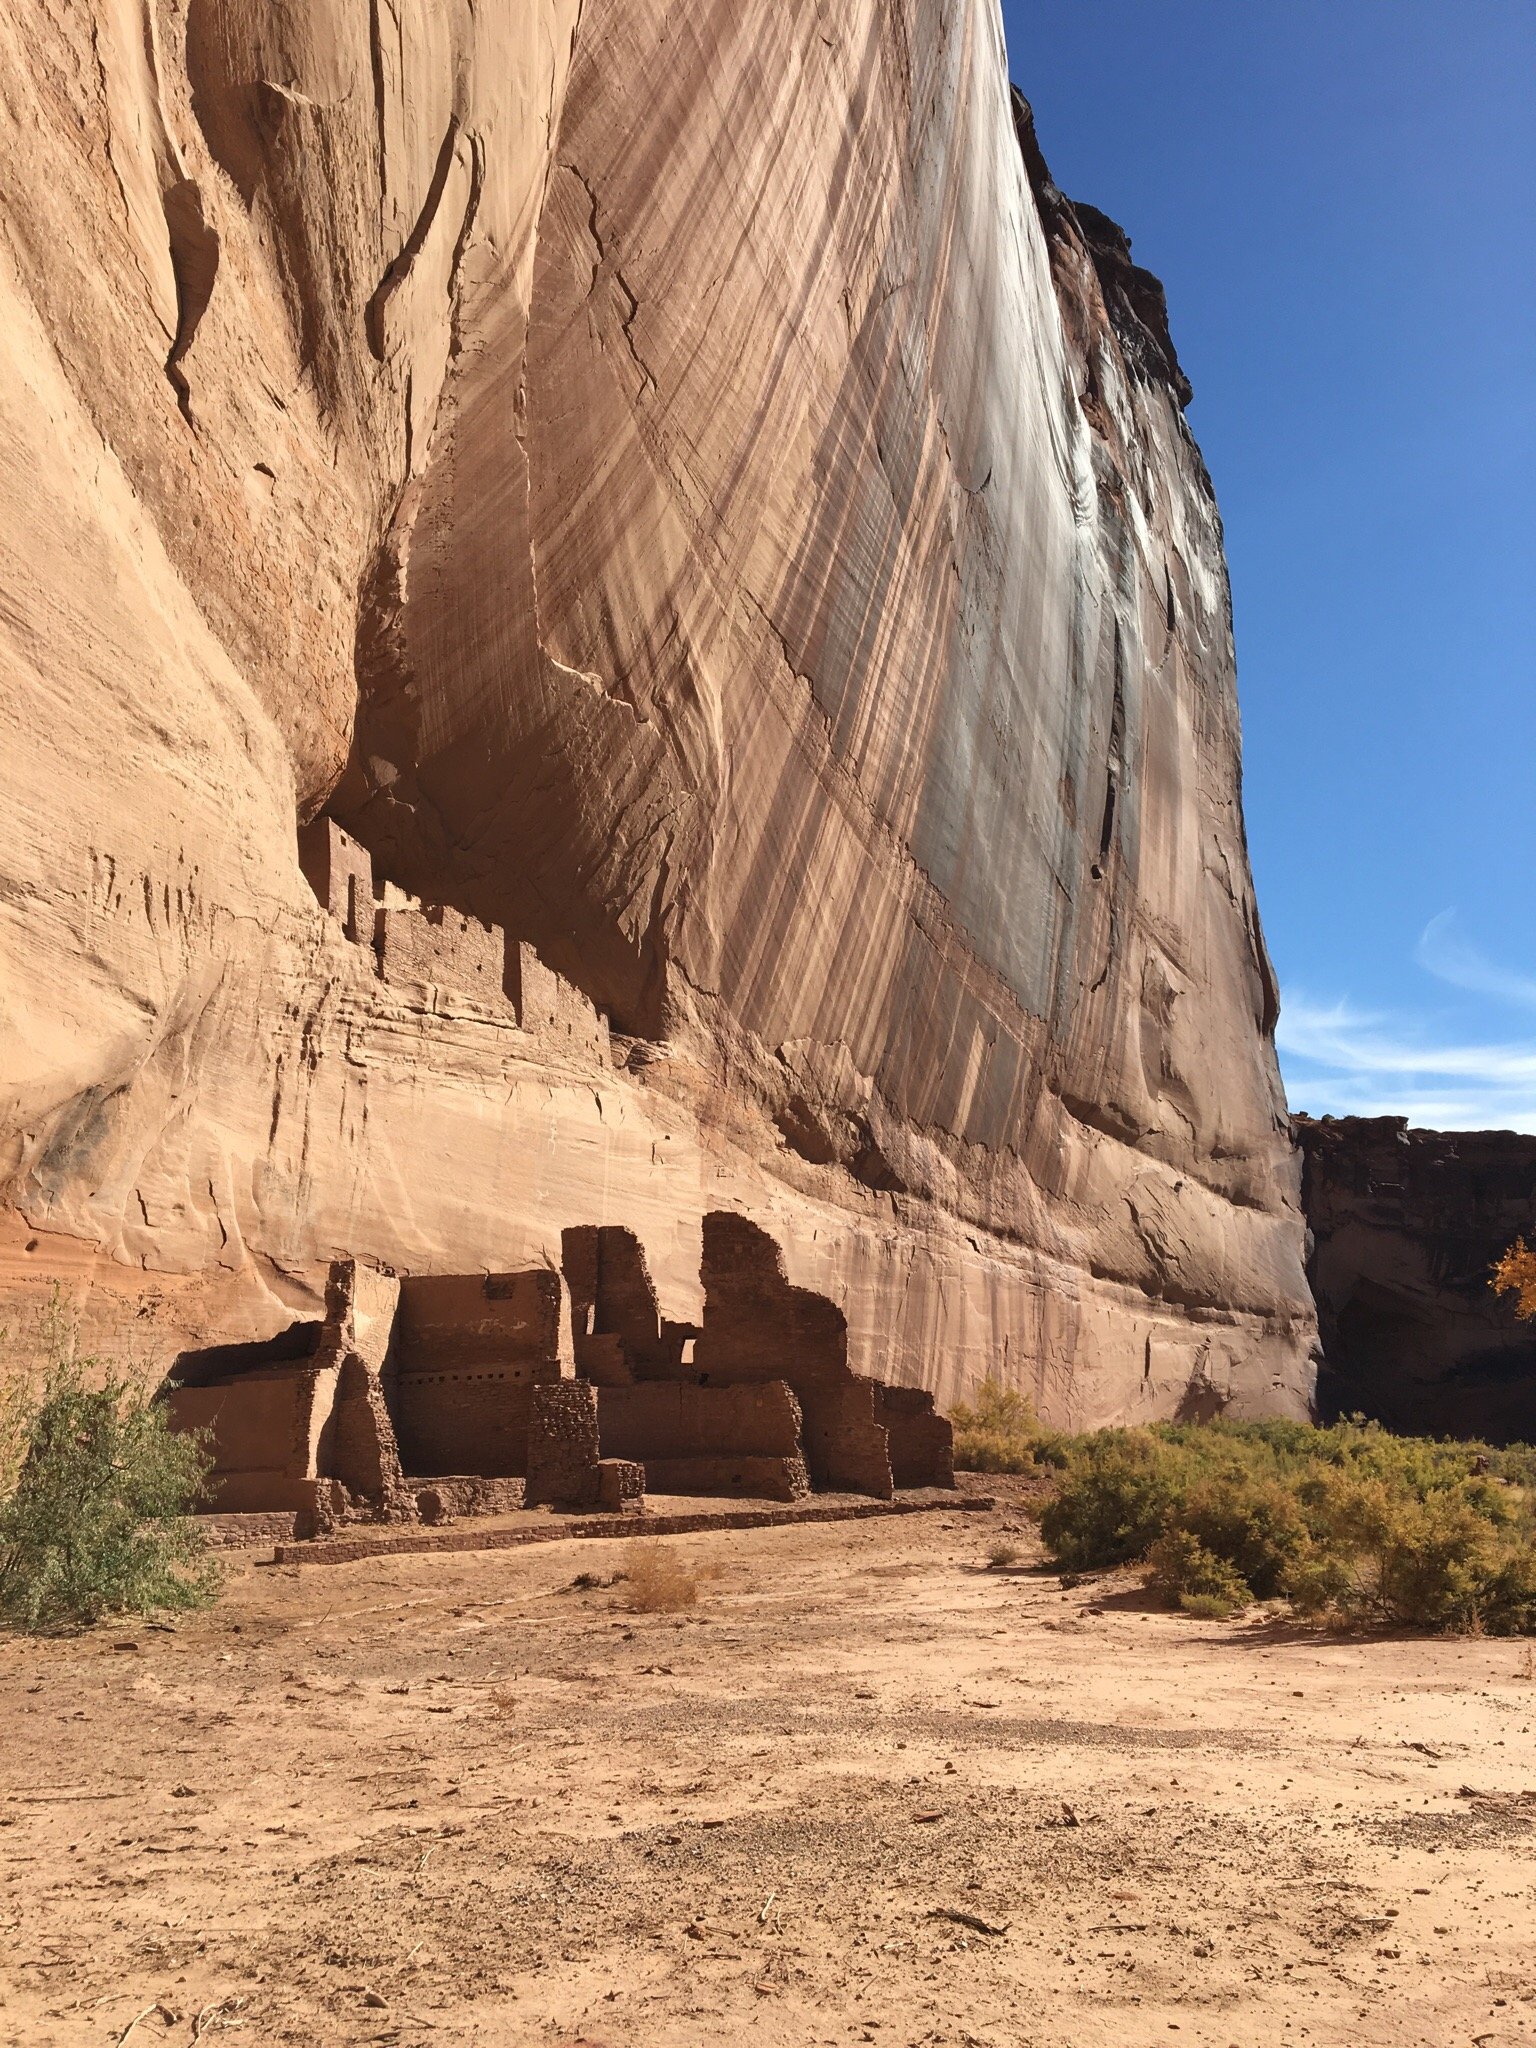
(468, 1351)
(563, 1448)
(413, 1396)
(259, 1428)
(742, 1440)
(921, 1441)
(300, 1422)
(340, 872)
(550, 1007)
(426, 943)
(759, 1327)
(679, 1419)
(417, 942)
(620, 1332)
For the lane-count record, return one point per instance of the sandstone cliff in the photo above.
(1405, 1227)
(682, 486)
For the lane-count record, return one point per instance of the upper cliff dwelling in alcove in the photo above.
(438, 1394)
(430, 943)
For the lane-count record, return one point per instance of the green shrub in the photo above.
(1201, 1582)
(1116, 1498)
(1455, 1557)
(1350, 1523)
(1000, 1432)
(93, 1521)
(1254, 1525)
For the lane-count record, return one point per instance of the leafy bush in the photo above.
(1515, 1274)
(1000, 1432)
(94, 1492)
(1116, 1498)
(1254, 1525)
(1200, 1581)
(1350, 1522)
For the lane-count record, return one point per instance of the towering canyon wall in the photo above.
(682, 486)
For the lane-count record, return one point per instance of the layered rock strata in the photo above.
(683, 490)
(1405, 1227)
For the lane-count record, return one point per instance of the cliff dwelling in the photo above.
(423, 1397)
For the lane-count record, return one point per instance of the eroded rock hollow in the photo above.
(701, 542)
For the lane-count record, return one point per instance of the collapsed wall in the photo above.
(447, 1394)
(681, 491)
(1405, 1227)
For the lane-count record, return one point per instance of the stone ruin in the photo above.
(428, 944)
(425, 1397)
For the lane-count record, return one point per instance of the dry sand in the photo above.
(454, 1799)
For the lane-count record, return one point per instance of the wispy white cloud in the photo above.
(1341, 1061)
(1444, 953)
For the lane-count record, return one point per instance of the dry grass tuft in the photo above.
(657, 1580)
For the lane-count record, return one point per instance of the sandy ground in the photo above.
(455, 1799)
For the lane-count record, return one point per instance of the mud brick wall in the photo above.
(734, 1478)
(922, 1443)
(549, 1006)
(613, 1297)
(758, 1327)
(341, 874)
(300, 1418)
(468, 1351)
(261, 1425)
(358, 1445)
(676, 1419)
(430, 944)
(563, 1446)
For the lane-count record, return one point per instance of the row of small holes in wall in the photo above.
(438, 1379)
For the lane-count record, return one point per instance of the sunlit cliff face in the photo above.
(684, 488)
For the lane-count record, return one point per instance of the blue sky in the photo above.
(1340, 196)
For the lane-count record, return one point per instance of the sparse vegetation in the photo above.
(95, 1489)
(657, 1579)
(1349, 1523)
(1000, 1432)
(1002, 1553)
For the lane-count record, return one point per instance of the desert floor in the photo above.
(458, 1799)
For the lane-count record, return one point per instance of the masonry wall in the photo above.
(736, 1440)
(620, 1332)
(428, 943)
(468, 1352)
(758, 1327)
(921, 1442)
(341, 874)
(550, 1007)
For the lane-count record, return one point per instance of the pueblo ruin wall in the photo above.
(715, 531)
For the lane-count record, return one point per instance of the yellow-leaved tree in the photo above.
(1515, 1274)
